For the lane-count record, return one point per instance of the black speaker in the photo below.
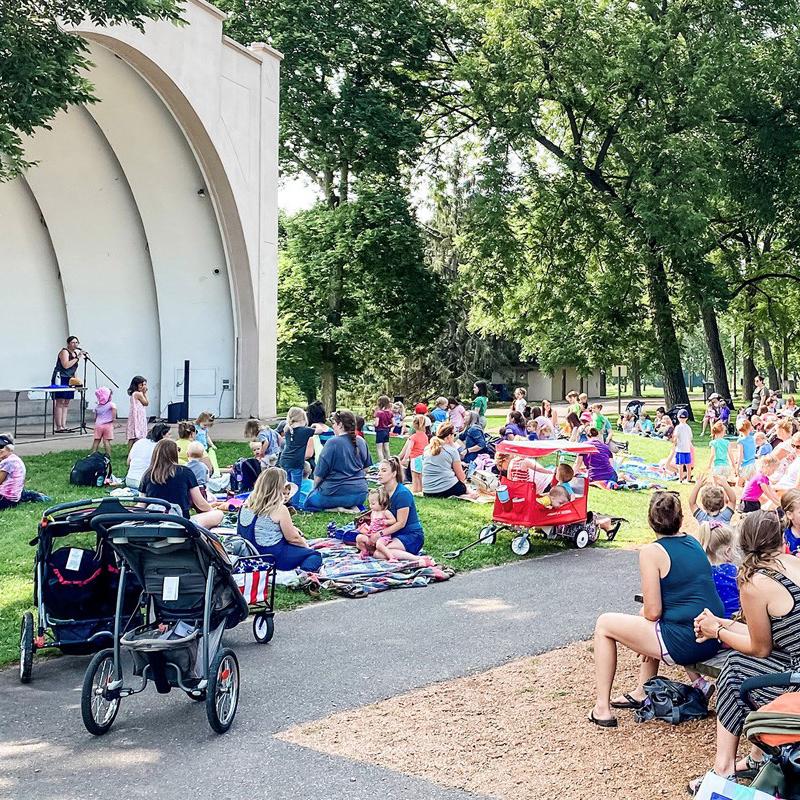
(176, 412)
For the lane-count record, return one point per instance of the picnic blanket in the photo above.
(641, 475)
(345, 572)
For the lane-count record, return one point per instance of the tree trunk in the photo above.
(748, 351)
(636, 376)
(330, 383)
(785, 358)
(774, 380)
(664, 326)
(716, 355)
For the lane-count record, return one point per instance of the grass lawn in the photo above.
(449, 524)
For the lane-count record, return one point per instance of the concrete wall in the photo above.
(149, 226)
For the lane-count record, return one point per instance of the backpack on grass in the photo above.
(91, 470)
(671, 701)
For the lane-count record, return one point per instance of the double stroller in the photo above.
(190, 598)
(75, 587)
(775, 728)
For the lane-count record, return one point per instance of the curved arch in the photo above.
(218, 185)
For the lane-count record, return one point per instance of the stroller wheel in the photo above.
(26, 647)
(488, 535)
(98, 709)
(263, 627)
(222, 694)
(521, 544)
(581, 538)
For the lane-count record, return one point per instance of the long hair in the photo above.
(790, 501)
(347, 419)
(135, 381)
(437, 441)
(384, 402)
(715, 538)
(164, 463)
(394, 464)
(186, 430)
(483, 390)
(252, 428)
(158, 432)
(761, 542)
(267, 495)
(295, 418)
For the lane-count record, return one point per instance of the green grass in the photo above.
(449, 524)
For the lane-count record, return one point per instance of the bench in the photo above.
(712, 667)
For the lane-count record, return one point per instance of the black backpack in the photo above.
(91, 470)
(671, 701)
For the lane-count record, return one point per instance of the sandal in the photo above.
(602, 723)
(630, 702)
(610, 537)
(752, 767)
(694, 786)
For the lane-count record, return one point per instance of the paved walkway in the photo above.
(324, 658)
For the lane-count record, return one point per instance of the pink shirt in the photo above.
(457, 417)
(11, 487)
(753, 488)
(104, 414)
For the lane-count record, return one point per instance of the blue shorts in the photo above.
(381, 435)
(683, 459)
(412, 542)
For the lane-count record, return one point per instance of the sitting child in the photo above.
(763, 447)
(790, 503)
(646, 427)
(195, 454)
(718, 542)
(532, 428)
(564, 474)
(628, 423)
(379, 518)
(717, 500)
(264, 442)
(560, 495)
(758, 486)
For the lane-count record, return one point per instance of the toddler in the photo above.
(264, 442)
(532, 427)
(682, 447)
(718, 541)
(195, 454)
(710, 417)
(763, 447)
(564, 474)
(717, 500)
(600, 421)
(104, 415)
(790, 503)
(399, 419)
(758, 486)
(646, 427)
(457, 413)
(720, 461)
(204, 421)
(439, 413)
(384, 419)
(520, 400)
(379, 518)
(413, 449)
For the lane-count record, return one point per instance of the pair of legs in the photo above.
(295, 476)
(416, 482)
(291, 556)
(106, 446)
(458, 489)
(366, 542)
(317, 501)
(395, 548)
(637, 634)
(382, 448)
(60, 410)
(208, 519)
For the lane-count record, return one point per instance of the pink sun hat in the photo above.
(103, 395)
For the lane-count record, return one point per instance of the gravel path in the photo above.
(324, 659)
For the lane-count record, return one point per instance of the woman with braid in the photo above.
(768, 642)
(340, 482)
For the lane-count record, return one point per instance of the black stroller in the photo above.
(75, 588)
(191, 599)
(635, 407)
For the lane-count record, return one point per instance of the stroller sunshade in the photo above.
(775, 724)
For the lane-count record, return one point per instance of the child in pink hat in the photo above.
(104, 415)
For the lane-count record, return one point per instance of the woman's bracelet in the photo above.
(720, 628)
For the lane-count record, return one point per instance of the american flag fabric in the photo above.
(253, 580)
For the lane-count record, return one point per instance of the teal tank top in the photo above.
(687, 589)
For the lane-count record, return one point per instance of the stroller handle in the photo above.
(103, 522)
(775, 679)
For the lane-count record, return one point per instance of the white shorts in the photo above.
(725, 471)
(745, 473)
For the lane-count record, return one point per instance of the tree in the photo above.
(42, 65)
(631, 101)
(366, 244)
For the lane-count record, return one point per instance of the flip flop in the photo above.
(631, 702)
(610, 537)
(602, 723)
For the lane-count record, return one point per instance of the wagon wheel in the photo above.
(263, 627)
(581, 539)
(521, 544)
(26, 647)
(488, 534)
(99, 707)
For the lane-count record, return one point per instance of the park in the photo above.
(492, 301)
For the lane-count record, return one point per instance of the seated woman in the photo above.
(141, 453)
(12, 473)
(168, 480)
(600, 464)
(442, 470)
(677, 585)
(265, 521)
(769, 589)
(339, 477)
(474, 437)
(514, 427)
(404, 539)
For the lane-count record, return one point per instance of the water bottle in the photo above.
(100, 480)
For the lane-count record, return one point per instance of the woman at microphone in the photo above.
(65, 369)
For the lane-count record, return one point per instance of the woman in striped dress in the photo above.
(769, 584)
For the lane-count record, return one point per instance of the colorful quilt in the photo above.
(345, 572)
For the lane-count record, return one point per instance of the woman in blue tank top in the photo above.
(677, 585)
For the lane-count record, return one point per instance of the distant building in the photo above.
(541, 386)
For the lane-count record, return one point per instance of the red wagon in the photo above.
(522, 512)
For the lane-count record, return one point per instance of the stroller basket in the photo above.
(145, 641)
